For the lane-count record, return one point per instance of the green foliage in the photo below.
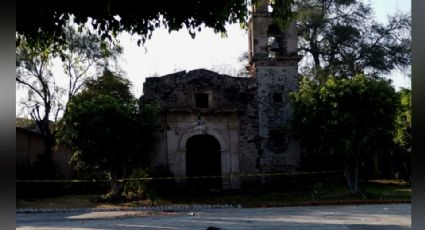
(341, 38)
(46, 100)
(403, 135)
(349, 119)
(342, 115)
(83, 55)
(152, 195)
(135, 186)
(108, 129)
(42, 21)
(282, 12)
(25, 123)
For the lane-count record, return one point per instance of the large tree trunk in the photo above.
(45, 167)
(348, 176)
(49, 145)
(116, 186)
(47, 134)
(356, 175)
(314, 50)
(352, 174)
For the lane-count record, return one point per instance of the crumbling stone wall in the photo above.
(274, 63)
(241, 111)
(175, 92)
(232, 114)
(279, 152)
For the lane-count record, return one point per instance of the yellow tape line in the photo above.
(174, 178)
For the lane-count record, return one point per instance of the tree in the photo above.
(109, 131)
(84, 55)
(347, 119)
(341, 38)
(403, 134)
(43, 21)
(46, 98)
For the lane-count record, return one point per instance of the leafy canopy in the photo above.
(46, 98)
(341, 38)
(403, 135)
(42, 21)
(106, 127)
(344, 116)
(345, 120)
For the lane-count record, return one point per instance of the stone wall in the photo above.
(29, 144)
(231, 117)
(242, 114)
(274, 64)
(279, 152)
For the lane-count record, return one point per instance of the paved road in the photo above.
(363, 217)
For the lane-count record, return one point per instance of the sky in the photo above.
(167, 53)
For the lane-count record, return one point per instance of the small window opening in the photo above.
(277, 97)
(201, 100)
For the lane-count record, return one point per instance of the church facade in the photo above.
(218, 125)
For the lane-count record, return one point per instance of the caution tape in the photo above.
(178, 178)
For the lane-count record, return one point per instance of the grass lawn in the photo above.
(378, 190)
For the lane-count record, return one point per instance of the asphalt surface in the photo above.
(348, 217)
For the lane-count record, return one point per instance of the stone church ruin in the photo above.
(218, 125)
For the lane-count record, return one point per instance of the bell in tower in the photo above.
(268, 43)
(274, 45)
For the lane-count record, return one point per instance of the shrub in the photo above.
(136, 187)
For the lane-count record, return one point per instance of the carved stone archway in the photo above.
(227, 139)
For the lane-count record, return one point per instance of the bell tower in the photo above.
(268, 43)
(274, 63)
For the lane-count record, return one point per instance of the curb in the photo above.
(200, 207)
(342, 202)
(161, 208)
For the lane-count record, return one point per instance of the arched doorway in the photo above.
(203, 158)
